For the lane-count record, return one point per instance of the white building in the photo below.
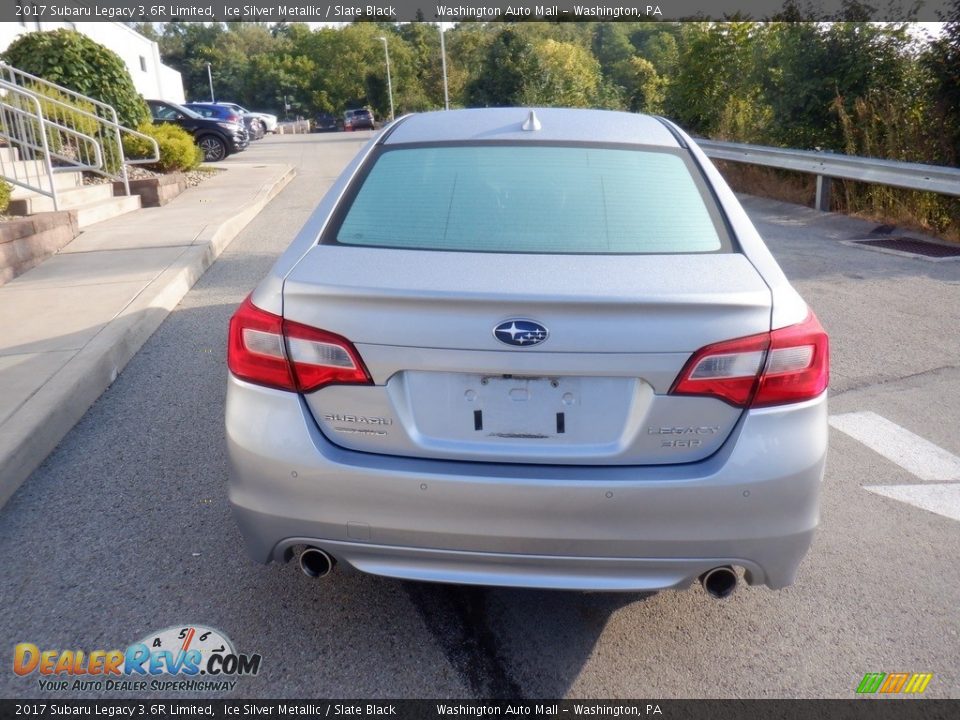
(151, 77)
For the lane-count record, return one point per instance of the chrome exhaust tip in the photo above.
(315, 563)
(719, 582)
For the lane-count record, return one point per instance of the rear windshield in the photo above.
(533, 199)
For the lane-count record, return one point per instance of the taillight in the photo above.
(784, 366)
(265, 349)
(798, 364)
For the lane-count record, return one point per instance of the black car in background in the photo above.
(326, 122)
(216, 138)
(251, 124)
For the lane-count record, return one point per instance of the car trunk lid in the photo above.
(620, 329)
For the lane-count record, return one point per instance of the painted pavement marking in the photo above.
(918, 456)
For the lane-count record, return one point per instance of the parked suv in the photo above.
(361, 119)
(216, 138)
(252, 125)
(268, 119)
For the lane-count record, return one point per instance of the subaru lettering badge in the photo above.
(520, 333)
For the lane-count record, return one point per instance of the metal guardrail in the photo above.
(826, 165)
(33, 143)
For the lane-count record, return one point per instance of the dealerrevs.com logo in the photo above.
(187, 658)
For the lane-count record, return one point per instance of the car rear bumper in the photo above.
(753, 504)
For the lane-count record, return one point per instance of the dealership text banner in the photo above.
(35, 14)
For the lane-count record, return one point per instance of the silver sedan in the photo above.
(532, 348)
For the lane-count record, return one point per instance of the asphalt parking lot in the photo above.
(125, 529)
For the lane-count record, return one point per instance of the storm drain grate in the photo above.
(912, 245)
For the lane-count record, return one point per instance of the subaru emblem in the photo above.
(520, 333)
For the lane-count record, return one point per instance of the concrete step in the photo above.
(34, 168)
(22, 168)
(68, 198)
(101, 210)
(9, 154)
(62, 181)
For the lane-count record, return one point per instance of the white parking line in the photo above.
(911, 452)
(942, 499)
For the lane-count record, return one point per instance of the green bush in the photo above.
(57, 108)
(75, 61)
(5, 191)
(53, 102)
(177, 149)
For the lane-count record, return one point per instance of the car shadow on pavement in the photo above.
(486, 632)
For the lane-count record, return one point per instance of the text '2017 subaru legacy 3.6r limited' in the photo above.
(537, 349)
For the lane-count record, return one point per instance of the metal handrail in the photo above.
(826, 166)
(108, 123)
(59, 127)
(109, 128)
(25, 140)
(45, 124)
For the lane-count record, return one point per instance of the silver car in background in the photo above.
(534, 349)
(267, 120)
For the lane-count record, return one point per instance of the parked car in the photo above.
(361, 119)
(535, 350)
(325, 122)
(268, 119)
(252, 125)
(216, 138)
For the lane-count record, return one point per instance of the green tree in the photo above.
(942, 60)
(611, 44)
(275, 81)
(662, 51)
(644, 89)
(147, 29)
(812, 64)
(502, 81)
(423, 41)
(567, 76)
(714, 63)
(75, 61)
(467, 47)
(188, 47)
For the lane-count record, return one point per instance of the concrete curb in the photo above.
(60, 403)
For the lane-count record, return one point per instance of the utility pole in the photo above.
(210, 78)
(443, 60)
(386, 52)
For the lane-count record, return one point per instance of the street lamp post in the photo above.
(386, 53)
(210, 78)
(443, 60)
